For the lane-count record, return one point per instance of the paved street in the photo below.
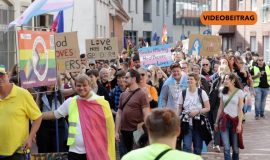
(256, 138)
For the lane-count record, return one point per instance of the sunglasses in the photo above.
(260, 59)
(205, 65)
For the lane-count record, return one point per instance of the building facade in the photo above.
(9, 9)
(94, 19)
(256, 36)
(148, 16)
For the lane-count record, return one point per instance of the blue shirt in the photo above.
(170, 92)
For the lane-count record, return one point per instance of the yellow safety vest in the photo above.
(256, 81)
(73, 118)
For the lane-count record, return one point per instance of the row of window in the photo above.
(101, 31)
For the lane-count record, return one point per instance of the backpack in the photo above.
(184, 92)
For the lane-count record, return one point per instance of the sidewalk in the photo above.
(256, 138)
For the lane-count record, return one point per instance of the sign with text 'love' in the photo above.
(101, 48)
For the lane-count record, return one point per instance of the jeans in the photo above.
(194, 136)
(227, 137)
(127, 141)
(260, 100)
(121, 147)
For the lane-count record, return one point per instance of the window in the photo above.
(226, 43)
(97, 30)
(253, 5)
(104, 31)
(157, 8)
(266, 48)
(129, 6)
(100, 31)
(225, 5)
(266, 1)
(240, 5)
(136, 6)
(264, 14)
(167, 7)
(3, 16)
(253, 44)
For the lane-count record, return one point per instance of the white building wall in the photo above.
(103, 19)
(138, 24)
(83, 20)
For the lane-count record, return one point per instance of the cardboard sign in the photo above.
(67, 52)
(101, 49)
(157, 55)
(36, 58)
(211, 45)
(204, 45)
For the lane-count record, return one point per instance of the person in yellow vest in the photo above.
(261, 81)
(163, 126)
(91, 126)
(17, 107)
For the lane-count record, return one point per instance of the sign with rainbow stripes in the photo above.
(36, 58)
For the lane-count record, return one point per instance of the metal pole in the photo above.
(56, 122)
(8, 42)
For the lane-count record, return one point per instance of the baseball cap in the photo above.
(2, 69)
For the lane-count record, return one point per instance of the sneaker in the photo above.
(263, 117)
(257, 118)
(216, 148)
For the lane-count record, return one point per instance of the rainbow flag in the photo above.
(97, 128)
(164, 37)
(39, 7)
(36, 58)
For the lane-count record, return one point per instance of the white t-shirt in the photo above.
(192, 101)
(232, 107)
(62, 111)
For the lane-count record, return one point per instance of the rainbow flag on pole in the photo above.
(164, 37)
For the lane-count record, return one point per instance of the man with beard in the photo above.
(133, 108)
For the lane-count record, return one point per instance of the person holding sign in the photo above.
(89, 115)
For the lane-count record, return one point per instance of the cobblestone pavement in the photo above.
(256, 138)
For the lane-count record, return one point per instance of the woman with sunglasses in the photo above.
(150, 90)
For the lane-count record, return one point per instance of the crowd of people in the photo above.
(194, 100)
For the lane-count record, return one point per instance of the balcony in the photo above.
(147, 17)
(227, 29)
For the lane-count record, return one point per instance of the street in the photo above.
(256, 138)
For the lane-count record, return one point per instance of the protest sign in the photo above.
(185, 45)
(36, 58)
(157, 55)
(211, 45)
(102, 48)
(67, 52)
(204, 45)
